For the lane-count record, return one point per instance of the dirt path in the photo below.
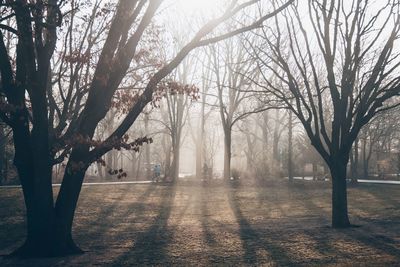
(273, 225)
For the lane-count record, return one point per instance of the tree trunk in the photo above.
(340, 217)
(175, 162)
(266, 150)
(199, 143)
(227, 153)
(148, 162)
(48, 228)
(133, 165)
(275, 144)
(290, 147)
(100, 170)
(67, 200)
(314, 170)
(109, 164)
(355, 163)
(167, 171)
(365, 158)
(138, 165)
(35, 174)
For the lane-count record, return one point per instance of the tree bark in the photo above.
(35, 178)
(340, 217)
(48, 228)
(67, 200)
(227, 153)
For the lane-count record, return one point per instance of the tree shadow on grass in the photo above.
(252, 240)
(390, 197)
(204, 214)
(210, 228)
(110, 215)
(379, 231)
(330, 241)
(150, 246)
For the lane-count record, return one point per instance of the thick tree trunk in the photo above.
(340, 217)
(35, 178)
(67, 201)
(48, 228)
(227, 153)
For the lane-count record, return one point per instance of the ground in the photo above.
(277, 224)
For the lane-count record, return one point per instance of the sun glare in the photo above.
(199, 7)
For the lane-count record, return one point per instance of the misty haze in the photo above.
(199, 133)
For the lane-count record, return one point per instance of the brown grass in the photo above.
(272, 225)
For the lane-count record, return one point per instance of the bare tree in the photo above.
(199, 139)
(26, 86)
(229, 64)
(349, 43)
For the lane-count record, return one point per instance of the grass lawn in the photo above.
(272, 225)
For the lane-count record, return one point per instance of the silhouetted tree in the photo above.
(335, 76)
(45, 132)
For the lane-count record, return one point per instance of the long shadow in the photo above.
(108, 216)
(98, 234)
(390, 197)
(389, 224)
(252, 239)
(364, 237)
(205, 222)
(150, 246)
(95, 236)
(381, 243)
(324, 244)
